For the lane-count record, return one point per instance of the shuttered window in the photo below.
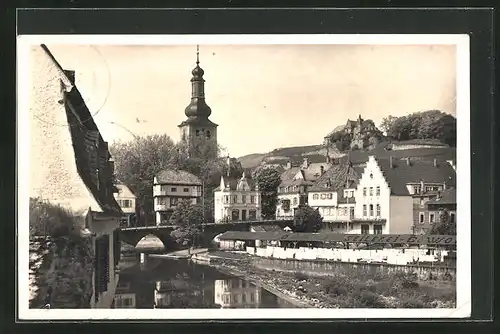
(101, 278)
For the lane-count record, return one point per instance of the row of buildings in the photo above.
(380, 196)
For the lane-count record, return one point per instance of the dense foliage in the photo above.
(188, 218)
(66, 280)
(431, 124)
(50, 220)
(268, 180)
(307, 219)
(445, 226)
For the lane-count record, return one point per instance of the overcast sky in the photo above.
(262, 96)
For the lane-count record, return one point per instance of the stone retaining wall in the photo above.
(322, 267)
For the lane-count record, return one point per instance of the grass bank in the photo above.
(349, 289)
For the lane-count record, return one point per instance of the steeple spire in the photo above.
(197, 54)
(198, 107)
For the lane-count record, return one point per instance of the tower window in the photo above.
(208, 134)
(197, 132)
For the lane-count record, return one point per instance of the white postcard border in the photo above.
(463, 279)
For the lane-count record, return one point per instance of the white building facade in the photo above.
(237, 200)
(127, 202)
(172, 186)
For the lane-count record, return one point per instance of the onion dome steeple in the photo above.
(198, 107)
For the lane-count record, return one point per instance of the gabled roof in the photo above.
(309, 174)
(95, 173)
(340, 177)
(418, 170)
(233, 182)
(177, 176)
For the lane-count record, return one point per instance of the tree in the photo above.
(136, 164)
(387, 123)
(307, 219)
(268, 180)
(46, 219)
(188, 218)
(187, 214)
(445, 226)
(430, 124)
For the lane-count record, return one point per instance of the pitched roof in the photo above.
(337, 177)
(91, 151)
(418, 170)
(447, 196)
(309, 174)
(233, 182)
(176, 176)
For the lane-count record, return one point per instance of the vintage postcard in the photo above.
(199, 177)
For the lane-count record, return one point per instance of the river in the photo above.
(168, 283)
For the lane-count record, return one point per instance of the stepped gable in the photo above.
(427, 170)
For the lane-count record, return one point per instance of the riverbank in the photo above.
(348, 289)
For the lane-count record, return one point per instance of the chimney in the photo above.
(408, 161)
(435, 163)
(305, 164)
(111, 164)
(322, 170)
(391, 163)
(288, 164)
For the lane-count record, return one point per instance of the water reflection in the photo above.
(163, 283)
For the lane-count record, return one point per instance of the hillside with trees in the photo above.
(431, 125)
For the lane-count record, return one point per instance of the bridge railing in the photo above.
(156, 227)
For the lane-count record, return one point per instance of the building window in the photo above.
(377, 229)
(197, 133)
(365, 229)
(209, 134)
(371, 210)
(186, 190)
(431, 218)
(421, 218)
(422, 202)
(416, 189)
(378, 191)
(101, 265)
(371, 191)
(364, 191)
(252, 297)
(174, 201)
(235, 215)
(371, 176)
(252, 215)
(330, 196)
(243, 199)
(378, 210)
(226, 199)
(351, 213)
(285, 205)
(364, 210)
(315, 196)
(174, 190)
(235, 199)
(295, 201)
(252, 199)
(452, 217)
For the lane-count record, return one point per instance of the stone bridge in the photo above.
(132, 235)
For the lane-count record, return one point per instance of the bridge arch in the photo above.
(149, 243)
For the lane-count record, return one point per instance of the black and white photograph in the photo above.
(198, 177)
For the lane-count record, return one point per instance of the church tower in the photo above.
(198, 133)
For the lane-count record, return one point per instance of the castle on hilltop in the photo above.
(358, 134)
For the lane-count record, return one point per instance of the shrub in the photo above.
(370, 299)
(52, 220)
(300, 276)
